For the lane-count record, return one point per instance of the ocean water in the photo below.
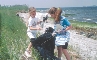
(83, 14)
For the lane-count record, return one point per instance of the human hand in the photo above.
(39, 28)
(61, 31)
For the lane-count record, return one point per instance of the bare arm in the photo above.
(68, 28)
(35, 28)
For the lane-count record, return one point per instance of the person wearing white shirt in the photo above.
(32, 29)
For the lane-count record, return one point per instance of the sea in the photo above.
(82, 14)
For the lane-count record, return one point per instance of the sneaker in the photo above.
(28, 53)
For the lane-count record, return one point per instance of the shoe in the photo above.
(28, 53)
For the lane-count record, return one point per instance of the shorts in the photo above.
(31, 35)
(61, 40)
(32, 40)
(65, 46)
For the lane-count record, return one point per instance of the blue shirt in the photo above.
(64, 22)
(63, 36)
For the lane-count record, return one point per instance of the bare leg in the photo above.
(66, 54)
(59, 52)
(28, 50)
(29, 46)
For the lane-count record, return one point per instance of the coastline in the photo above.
(83, 46)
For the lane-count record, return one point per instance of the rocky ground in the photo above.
(80, 47)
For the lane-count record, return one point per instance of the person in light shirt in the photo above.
(32, 29)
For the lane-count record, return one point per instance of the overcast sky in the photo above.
(50, 3)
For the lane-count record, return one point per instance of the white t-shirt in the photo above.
(32, 22)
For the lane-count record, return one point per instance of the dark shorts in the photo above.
(32, 39)
(65, 46)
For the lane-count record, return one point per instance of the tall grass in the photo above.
(83, 24)
(13, 34)
(89, 29)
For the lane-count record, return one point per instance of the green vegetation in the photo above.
(13, 33)
(13, 36)
(88, 29)
(83, 24)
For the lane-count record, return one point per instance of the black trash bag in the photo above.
(45, 44)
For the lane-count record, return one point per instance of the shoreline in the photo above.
(83, 46)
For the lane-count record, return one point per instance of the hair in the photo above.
(57, 12)
(31, 9)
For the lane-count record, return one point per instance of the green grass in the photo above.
(85, 27)
(13, 35)
(83, 24)
(13, 38)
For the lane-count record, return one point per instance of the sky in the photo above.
(50, 3)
